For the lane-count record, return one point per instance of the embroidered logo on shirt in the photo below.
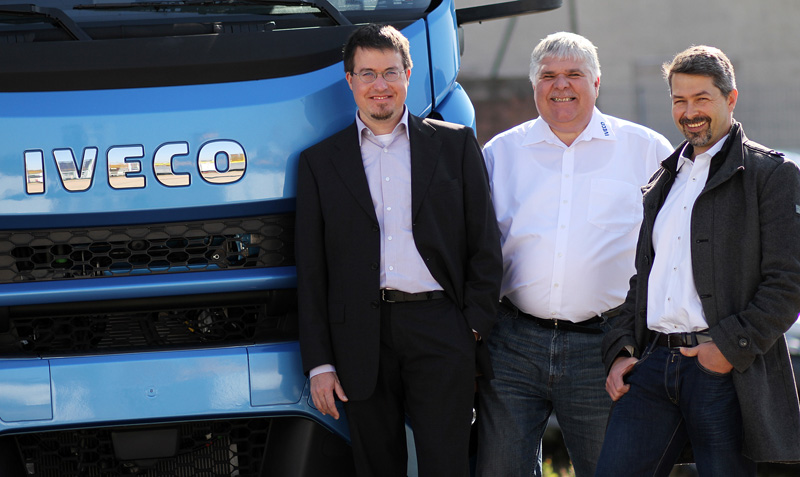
(605, 129)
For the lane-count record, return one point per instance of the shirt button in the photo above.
(389, 238)
(391, 268)
(388, 208)
(386, 179)
(555, 286)
(385, 150)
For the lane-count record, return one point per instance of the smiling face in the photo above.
(700, 111)
(565, 93)
(380, 103)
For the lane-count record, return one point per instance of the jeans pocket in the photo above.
(505, 313)
(709, 372)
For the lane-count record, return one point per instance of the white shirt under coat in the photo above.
(673, 305)
(387, 162)
(569, 216)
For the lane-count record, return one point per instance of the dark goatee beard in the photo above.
(698, 139)
(382, 116)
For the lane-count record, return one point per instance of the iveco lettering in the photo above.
(124, 166)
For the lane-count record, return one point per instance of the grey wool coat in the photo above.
(745, 245)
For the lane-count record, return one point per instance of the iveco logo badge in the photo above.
(124, 166)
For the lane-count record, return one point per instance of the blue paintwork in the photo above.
(25, 390)
(444, 50)
(148, 286)
(273, 120)
(264, 380)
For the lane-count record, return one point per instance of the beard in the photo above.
(382, 115)
(700, 138)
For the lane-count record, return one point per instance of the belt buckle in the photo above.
(669, 340)
(383, 296)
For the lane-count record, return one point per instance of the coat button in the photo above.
(375, 228)
(375, 305)
(743, 342)
(373, 266)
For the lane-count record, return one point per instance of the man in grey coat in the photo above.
(699, 353)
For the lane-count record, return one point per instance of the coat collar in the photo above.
(725, 163)
(425, 148)
(347, 161)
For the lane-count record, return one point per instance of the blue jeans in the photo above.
(539, 371)
(672, 398)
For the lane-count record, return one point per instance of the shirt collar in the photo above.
(598, 128)
(364, 129)
(687, 148)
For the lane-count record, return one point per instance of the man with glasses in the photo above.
(398, 265)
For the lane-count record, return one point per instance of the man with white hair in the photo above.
(566, 190)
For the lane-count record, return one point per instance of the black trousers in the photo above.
(426, 372)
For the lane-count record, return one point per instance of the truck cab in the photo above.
(148, 314)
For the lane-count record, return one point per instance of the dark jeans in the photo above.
(539, 371)
(673, 399)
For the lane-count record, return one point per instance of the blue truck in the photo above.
(147, 180)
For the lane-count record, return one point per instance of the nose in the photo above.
(561, 82)
(691, 110)
(380, 82)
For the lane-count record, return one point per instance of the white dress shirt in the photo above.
(673, 305)
(569, 216)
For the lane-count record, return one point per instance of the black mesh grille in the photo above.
(61, 254)
(168, 322)
(204, 449)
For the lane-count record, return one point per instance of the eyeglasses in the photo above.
(389, 76)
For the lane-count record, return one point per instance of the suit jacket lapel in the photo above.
(425, 150)
(347, 161)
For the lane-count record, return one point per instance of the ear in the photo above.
(349, 79)
(408, 74)
(597, 87)
(732, 98)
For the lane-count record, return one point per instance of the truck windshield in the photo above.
(70, 16)
(79, 44)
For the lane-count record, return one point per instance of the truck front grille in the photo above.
(204, 449)
(156, 323)
(63, 254)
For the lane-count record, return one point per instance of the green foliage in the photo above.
(549, 470)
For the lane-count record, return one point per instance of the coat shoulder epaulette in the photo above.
(756, 147)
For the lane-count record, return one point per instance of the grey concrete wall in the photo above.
(762, 39)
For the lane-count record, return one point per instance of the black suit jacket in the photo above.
(338, 244)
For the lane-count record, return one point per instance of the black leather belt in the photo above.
(682, 340)
(397, 296)
(553, 324)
